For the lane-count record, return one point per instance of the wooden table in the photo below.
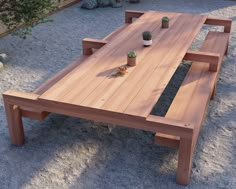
(92, 85)
(91, 91)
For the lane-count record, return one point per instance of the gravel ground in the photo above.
(66, 152)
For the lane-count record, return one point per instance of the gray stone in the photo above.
(117, 3)
(104, 3)
(1, 66)
(3, 57)
(89, 4)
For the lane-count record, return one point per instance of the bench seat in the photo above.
(191, 100)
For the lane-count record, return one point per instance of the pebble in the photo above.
(3, 57)
(1, 66)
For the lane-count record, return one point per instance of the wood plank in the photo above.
(99, 61)
(130, 14)
(40, 114)
(200, 56)
(92, 78)
(98, 98)
(150, 92)
(15, 124)
(88, 44)
(205, 87)
(167, 140)
(227, 23)
(120, 99)
(153, 123)
(196, 81)
(185, 93)
(184, 161)
(108, 67)
(189, 84)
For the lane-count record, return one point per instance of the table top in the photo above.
(92, 84)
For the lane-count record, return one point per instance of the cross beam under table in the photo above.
(30, 100)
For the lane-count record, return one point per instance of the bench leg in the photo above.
(213, 92)
(226, 51)
(184, 161)
(15, 124)
(87, 51)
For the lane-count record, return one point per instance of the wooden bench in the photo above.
(191, 100)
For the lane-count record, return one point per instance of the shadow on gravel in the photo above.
(73, 150)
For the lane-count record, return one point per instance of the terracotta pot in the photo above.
(165, 24)
(131, 61)
(122, 72)
(147, 43)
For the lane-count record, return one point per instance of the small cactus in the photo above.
(132, 54)
(147, 35)
(165, 19)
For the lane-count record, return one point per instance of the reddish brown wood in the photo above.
(167, 140)
(152, 123)
(89, 44)
(184, 161)
(211, 58)
(15, 124)
(130, 14)
(89, 90)
(227, 23)
(191, 102)
(213, 92)
(40, 114)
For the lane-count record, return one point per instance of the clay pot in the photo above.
(131, 61)
(147, 43)
(122, 70)
(165, 24)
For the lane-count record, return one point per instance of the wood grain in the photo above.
(227, 23)
(198, 86)
(130, 14)
(152, 123)
(211, 58)
(158, 79)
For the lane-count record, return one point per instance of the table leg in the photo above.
(213, 92)
(15, 124)
(184, 161)
(226, 51)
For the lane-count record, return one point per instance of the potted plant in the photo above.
(147, 38)
(131, 58)
(165, 22)
(122, 70)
